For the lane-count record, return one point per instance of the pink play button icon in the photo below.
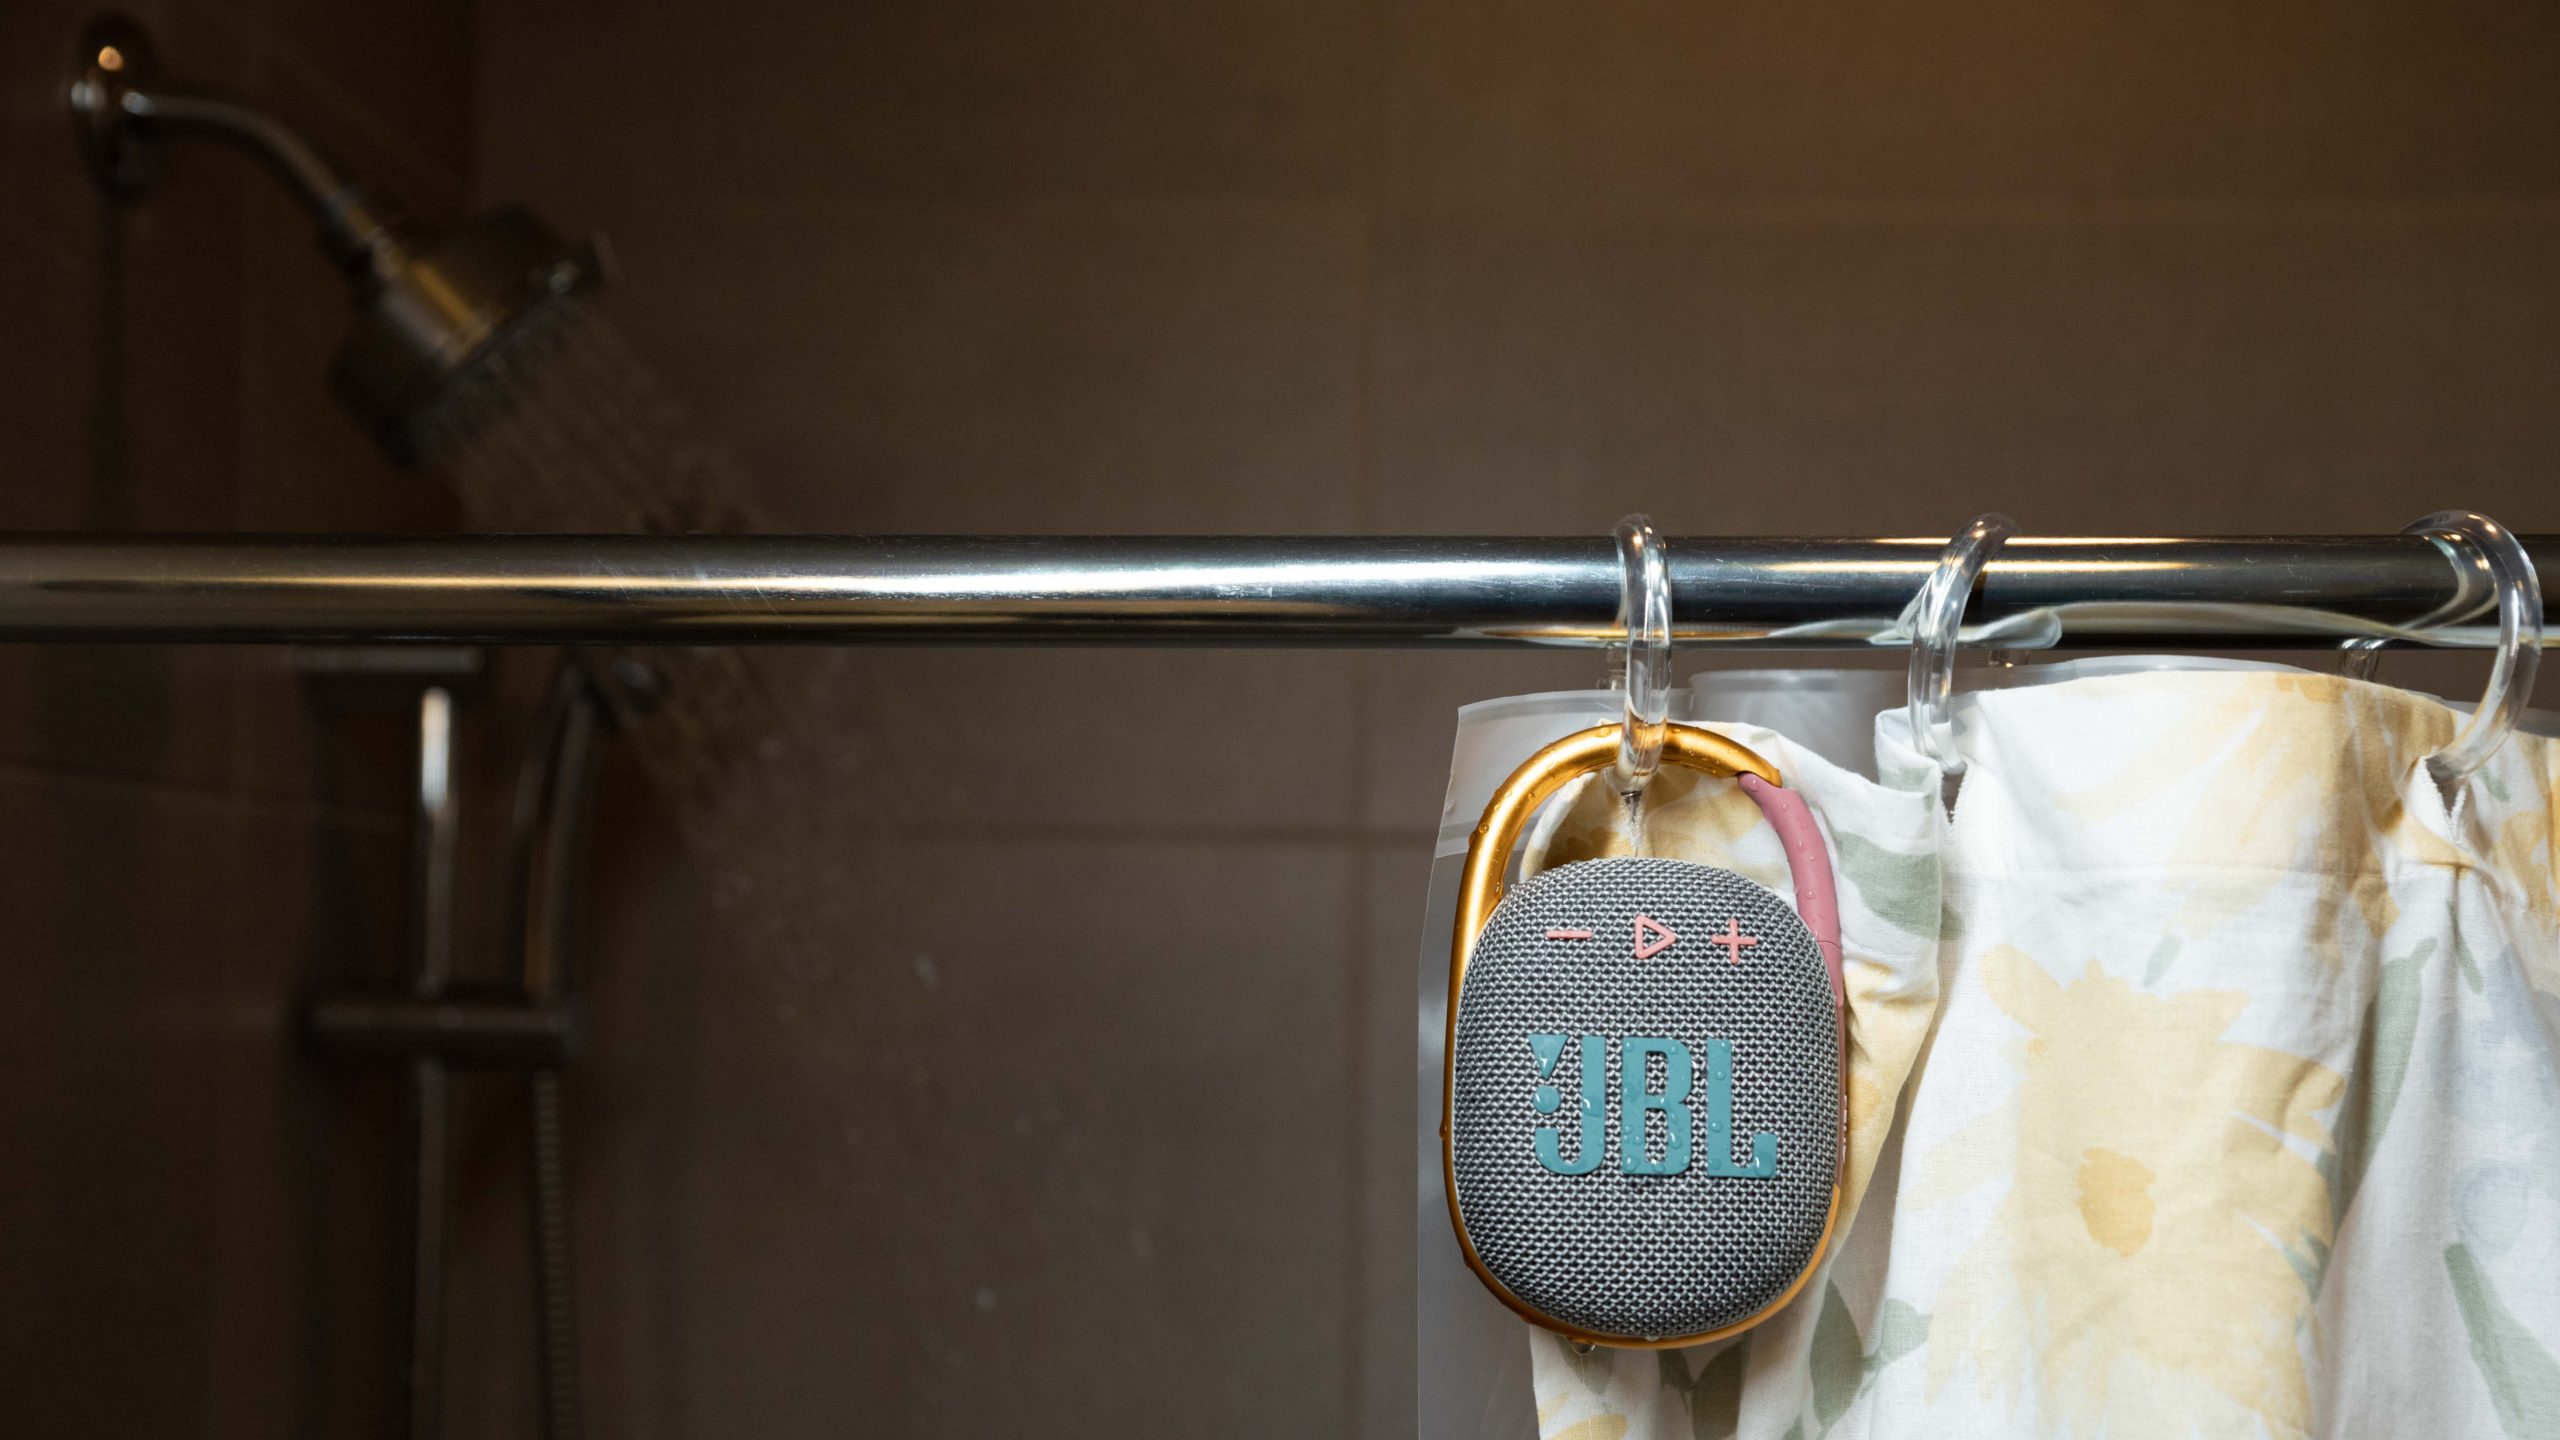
(1652, 937)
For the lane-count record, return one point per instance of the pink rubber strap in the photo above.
(1809, 861)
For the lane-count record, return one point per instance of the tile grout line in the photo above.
(249, 335)
(1357, 863)
(221, 795)
(1356, 1000)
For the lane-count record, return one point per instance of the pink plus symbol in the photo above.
(1732, 940)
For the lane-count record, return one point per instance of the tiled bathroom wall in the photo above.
(1093, 1114)
(193, 1222)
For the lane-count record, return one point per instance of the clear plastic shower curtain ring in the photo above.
(2474, 590)
(1644, 616)
(2471, 539)
(1935, 619)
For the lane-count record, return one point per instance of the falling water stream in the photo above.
(767, 761)
(567, 430)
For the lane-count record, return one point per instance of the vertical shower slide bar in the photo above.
(434, 1023)
(426, 1108)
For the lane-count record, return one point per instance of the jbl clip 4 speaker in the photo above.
(1643, 1123)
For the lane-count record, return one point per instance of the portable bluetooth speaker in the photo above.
(1643, 1122)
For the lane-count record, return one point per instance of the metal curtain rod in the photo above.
(1229, 590)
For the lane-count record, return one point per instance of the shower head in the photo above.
(457, 300)
(433, 307)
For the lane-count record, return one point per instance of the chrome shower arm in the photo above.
(354, 224)
(173, 111)
(125, 110)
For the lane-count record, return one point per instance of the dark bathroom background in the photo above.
(1093, 1114)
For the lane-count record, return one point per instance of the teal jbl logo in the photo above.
(1638, 1102)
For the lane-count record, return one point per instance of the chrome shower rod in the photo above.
(2081, 593)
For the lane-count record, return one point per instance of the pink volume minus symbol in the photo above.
(1568, 934)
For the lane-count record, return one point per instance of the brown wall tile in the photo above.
(1013, 1094)
(108, 1111)
(977, 98)
(2184, 371)
(1220, 744)
(1020, 367)
(1528, 106)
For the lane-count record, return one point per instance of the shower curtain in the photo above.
(2204, 1082)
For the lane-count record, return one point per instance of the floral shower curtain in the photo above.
(2204, 1081)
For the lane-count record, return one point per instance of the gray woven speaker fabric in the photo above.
(1645, 1257)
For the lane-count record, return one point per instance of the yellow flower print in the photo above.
(2163, 1193)
(2318, 761)
(2521, 848)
